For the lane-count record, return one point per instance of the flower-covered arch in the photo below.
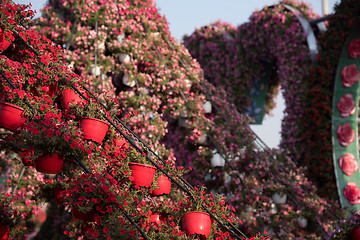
(239, 56)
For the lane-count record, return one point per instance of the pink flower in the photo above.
(349, 75)
(352, 193)
(354, 48)
(346, 105)
(345, 134)
(348, 164)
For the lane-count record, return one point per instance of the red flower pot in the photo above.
(51, 164)
(157, 218)
(164, 186)
(85, 216)
(196, 223)
(4, 44)
(355, 233)
(69, 96)
(4, 231)
(10, 116)
(142, 174)
(93, 129)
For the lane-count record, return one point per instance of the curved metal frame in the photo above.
(310, 36)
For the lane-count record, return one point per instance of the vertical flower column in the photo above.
(344, 123)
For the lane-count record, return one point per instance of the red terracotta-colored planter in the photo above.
(51, 164)
(69, 96)
(355, 234)
(11, 116)
(142, 174)
(4, 44)
(157, 218)
(93, 129)
(50, 90)
(4, 232)
(196, 223)
(85, 216)
(164, 186)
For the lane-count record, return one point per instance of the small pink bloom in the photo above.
(348, 164)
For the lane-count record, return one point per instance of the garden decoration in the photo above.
(10, 116)
(345, 123)
(151, 110)
(163, 186)
(245, 49)
(103, 182)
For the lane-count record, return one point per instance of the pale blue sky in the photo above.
(186, 15)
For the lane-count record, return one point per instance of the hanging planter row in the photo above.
(162, 180)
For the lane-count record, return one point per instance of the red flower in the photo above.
(345, 134)
(352, 193)
(49, 132)
(346, 105)
(348, 164)
(354, 48)
(349, 75)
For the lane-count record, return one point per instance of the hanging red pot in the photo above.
(355, 233)
(157, 218)
(48, 89)
(93, 129)
(4, 232)
(85, 216)
(164, 186)
(49, 163)
(142, 174)
(69, 96)
(4, 44)
(11, 116)
(196, 223)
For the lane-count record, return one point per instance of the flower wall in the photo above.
(161, 91)
(89, 182)
(318, 112)
(234, 58)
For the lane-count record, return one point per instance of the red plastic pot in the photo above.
(51, 164)
(196, 223)
(164, 186)
(69, 96)
(4, 44)
(93, 129)
(11, 116)
(4, 231)
(355, 233)
(85, 216)
(142, 174)
(157, 218)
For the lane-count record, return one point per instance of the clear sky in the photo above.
(184, 16)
